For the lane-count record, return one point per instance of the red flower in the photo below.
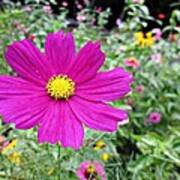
(31, 37)
(161, 16)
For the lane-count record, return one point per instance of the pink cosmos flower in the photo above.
(65, 4)
(98, 9)
(132, 62)
(157, 34)
(60, 90)
(81, 17)
(79, 6)
(47, 9)
(140, 88)
(91, 170)
(157, 57)
(119, 23)
(138, 1)
(154, 118)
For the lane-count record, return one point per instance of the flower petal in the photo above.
(72, 132)
(24, 112)
(21, 102)
(89, 59)
(27, 61)
(97, 115)
(61, 125)
(60, 50)
(50, 127)
(16, 87)
(106, 86)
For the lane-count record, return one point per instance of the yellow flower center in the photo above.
(60, 87)
(91, 169)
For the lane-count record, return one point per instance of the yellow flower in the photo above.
(139, 37)
(10, 146)
(99, 145)
(15, 158)
(144, 40)
(105, 156)
(149, 39)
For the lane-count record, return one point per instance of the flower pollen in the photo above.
(91, 169)
(60, 87)
(90, 172)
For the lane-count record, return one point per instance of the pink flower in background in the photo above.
(157, 34)
(60, 90)
(154, 118)
(87, 2)
(31, 37)
(91, 170)
(81, 17)
(28, 8)
(138, 1)
(47, 9)
(122, 48)
(119, 23)
(98, 9)
(3, 142)
(156, 58)
(130, 101)
(172, 37)
(79, 6)
(65, 4)
(140, 88)
(132, 62)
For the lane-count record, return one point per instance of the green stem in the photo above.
(59, 162)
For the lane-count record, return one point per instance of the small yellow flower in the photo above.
(10, 146)
(15, 158)
(139, 36)
(144, 40)
(105, 156)
(99, 145)
(149, 39)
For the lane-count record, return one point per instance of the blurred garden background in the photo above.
(142, 36)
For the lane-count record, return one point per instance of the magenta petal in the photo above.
(89, 59)
(24, 112)
(27, 61)
(97, 115)
(15, 87)
(21, 102)
(60, 50)
(60, 125)
(106, 86)
(50, 126)
(72, 131)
